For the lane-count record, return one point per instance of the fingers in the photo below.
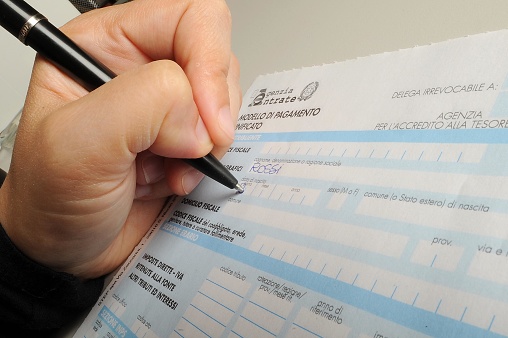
(196, 34)
(179, 178)
(206, 59)
(235, 95)
(235, 91)
(160, 177)
(99, 136)
(156, 175)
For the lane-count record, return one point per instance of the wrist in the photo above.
(36, 297)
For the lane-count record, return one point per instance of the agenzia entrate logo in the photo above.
(308, 91)
(265, 97)
(259, 98)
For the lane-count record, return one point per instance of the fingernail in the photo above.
(142, 191)
(190, 180)
(202, 132)
(153, 168)
(226, 122)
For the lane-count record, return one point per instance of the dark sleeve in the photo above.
(37, 299)
(3, 174)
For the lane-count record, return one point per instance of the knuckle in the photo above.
(168, 76)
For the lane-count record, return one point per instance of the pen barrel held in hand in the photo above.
(47, 40)
(34, 30)
(211, 167)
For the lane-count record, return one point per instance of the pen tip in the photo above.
(239, 188)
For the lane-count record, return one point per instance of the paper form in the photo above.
(375, 205)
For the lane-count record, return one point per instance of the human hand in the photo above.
(90, 171)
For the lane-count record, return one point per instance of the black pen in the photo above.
(34, 30)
